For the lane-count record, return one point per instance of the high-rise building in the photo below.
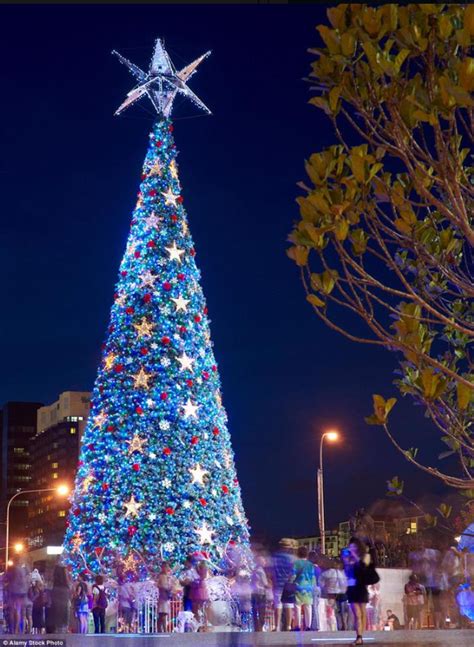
(54, 453)
(18, 426)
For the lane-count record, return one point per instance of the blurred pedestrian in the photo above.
(126, 603)
(305, 582)
(360, 572)
(313, 558)
(58, 615)
(81, 599)
(415, 597)
(188, 576)
(199, 593)
(260, 586)
(283, 576)
(17, 586)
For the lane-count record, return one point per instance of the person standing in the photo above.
(313, 558)
(17, 588)
(283, 575)
(260, 586)
(199, 593)
(305, 583)
(81, 604)
(360, 572)
(99, 604)
(166, 584)
(58, 615)
(38, 598)
(126, 603)
(415, 596)
(188, 576)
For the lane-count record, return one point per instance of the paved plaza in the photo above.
(453, 638)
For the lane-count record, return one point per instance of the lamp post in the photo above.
(62, 490)
(332, 436)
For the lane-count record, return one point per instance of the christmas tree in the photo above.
(156, 476)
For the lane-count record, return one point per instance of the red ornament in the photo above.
(180, 276)
(165, 340)
(152, 192)
(80, 463)
(130, 310)
(180, 199)
(194, 440)
(76, 512)
(97, 550)
(174, 218)
(205, 375)
(112, 328)
(189, 382)
(103, 346)
(158, 143)
(231, 542)
(132, 530)
(147, 297)
(123, 273)
(90, 446)
(111, 428)
(171, 128)
(182, 329)
(203, 502)
(163, 396)
(144, 176)
(105, 486)
(166, 451)
(197, 318)
(139, 410)
(215, 431)
(136, 467)
(214, 368)
(101, 389)
(118, 368)
(169, 510)
(167, 286)
(151, 244)
(192, 252)
(143, 351)
(116, 296)
(225, 489)
(205, 310)
(137, 254)
(236, 480)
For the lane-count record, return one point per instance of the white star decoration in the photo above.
(99, 419)
(181, 304)
(205, 534)
(152, 221)
(132, 507)
(174, 169)
(198, 474)
(174, 252)
(147, 279)
(186, 362)
(170, 197)
(190, 409)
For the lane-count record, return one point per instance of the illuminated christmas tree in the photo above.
(156, 477)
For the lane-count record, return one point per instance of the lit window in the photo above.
(72, 430)
(54, 464)
(62, 513)
(54, 475)
(18, 450)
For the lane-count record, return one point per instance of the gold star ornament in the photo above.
(144, 328)
(136, 444)
(140, 379)
(132, 507)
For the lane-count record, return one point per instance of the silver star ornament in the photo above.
(162, 82)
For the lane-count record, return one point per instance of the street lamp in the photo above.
(61, 490)
(19, 547)
(332, 436)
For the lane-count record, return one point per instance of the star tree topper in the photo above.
(162, 82)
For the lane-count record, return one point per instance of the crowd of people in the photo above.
(292, 590)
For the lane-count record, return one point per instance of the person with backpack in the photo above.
(81, 604)
(99, 604)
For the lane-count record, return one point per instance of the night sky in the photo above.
(69, 172)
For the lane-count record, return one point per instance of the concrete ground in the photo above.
(450, 638)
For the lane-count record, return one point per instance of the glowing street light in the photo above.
(19, 547)
(332, 436)
(61, 490)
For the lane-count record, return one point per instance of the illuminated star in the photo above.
(99, 420)
(186, 362)
(155, 169)
(184, 227)
(132, 507)
(181, 304)
(109, 361)
(174, 169)
(129, 563)
(86, 482)
(162, 82)
(136, 444)
(76, 542)
(152, 221)
(141, 378)
(190, 409)
(145, 328)
(198, 474)
(174, 252)
(170, 197)
(120, 300)
(205, 534)
(147, 279)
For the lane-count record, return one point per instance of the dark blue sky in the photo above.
(69, 172)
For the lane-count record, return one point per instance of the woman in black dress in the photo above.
(360, 572)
